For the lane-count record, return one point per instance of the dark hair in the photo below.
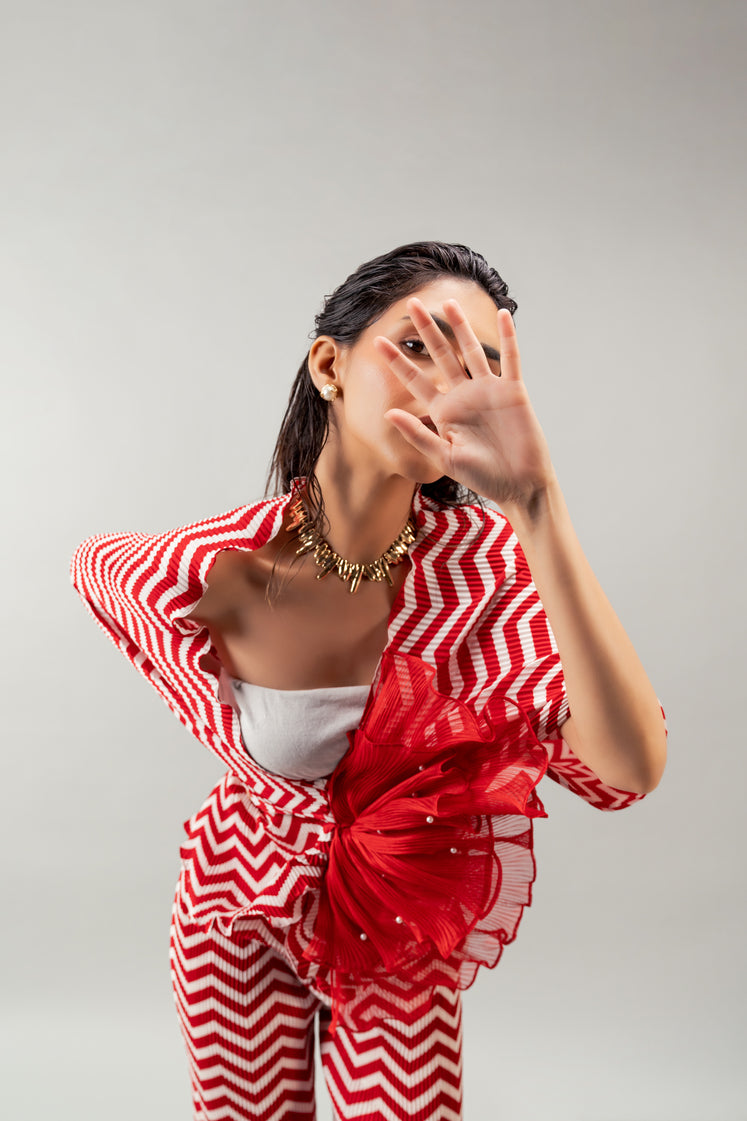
(347, 312)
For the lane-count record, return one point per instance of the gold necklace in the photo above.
(327, 559)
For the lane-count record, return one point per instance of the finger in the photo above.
(439, 348)
(421, 438)
(474, 355)
(419, 382)
(510, 361)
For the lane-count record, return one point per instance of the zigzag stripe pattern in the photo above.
(248, 1026)
(255, 852)
(392, 1071)
(246, 1022)
(469, 607)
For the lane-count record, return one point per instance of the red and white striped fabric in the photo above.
(249, 1030)
(256, 852)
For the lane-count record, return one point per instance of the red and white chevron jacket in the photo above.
(430, 811)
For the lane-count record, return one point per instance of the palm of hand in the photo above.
(488, 436)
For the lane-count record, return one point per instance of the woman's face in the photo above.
(368, 388)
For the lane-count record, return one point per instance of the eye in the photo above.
(411, 343)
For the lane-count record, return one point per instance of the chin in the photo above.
(413, 466)
(416, 473)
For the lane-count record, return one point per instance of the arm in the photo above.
(617, 727)
(142, 588)
(489, 439)
(123, 580)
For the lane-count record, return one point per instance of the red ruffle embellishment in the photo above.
(417, 862)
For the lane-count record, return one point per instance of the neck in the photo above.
(365, 510)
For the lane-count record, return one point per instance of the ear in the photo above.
(325, 362)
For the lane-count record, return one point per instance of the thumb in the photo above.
(421, 437)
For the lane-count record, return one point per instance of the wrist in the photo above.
(530, 512)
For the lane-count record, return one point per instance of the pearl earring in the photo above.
(329, 392)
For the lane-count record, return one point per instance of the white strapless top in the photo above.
(296, 733)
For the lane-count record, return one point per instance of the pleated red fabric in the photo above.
(470, 688)
(415, 883)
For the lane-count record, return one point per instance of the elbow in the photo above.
(642, 769)
(655, 763)
(655, 778)
(652, 754)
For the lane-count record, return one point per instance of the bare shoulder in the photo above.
(234, 576)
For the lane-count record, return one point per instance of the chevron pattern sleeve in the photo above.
(131, 584)
(141, 588)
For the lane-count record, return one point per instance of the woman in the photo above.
(365, 877)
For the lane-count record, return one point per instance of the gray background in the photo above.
(181, 183)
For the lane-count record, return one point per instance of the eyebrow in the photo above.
(490, 352)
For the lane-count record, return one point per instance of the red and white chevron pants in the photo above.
(249, 1027)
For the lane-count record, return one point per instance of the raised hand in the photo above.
(487, 434)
